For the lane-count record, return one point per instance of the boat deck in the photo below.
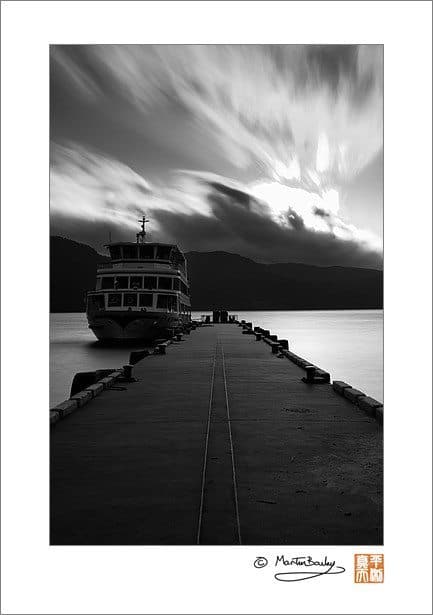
(219, 442)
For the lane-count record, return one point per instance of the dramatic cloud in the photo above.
(311, 115)
(92, 195)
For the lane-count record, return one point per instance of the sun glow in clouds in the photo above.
(283, 200)
(316, 212)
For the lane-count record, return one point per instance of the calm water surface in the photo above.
(348, 344)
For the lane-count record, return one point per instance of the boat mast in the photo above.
(141, 236)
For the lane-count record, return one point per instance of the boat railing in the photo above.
(136, 265)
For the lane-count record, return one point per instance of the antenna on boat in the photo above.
(142, 234)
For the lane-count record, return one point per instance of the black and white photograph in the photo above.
(216, 294)
(214, 320)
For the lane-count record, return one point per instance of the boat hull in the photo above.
(121, 326)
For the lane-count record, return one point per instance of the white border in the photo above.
(40, 579)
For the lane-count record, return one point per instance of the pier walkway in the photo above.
(218, 442)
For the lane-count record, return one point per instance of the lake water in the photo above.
(347, 344)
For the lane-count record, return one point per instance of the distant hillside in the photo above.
(219, 279)
(72, 272)
(229, 280)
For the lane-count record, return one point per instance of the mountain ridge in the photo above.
(223, 279)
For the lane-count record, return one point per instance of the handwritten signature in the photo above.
(300, 568)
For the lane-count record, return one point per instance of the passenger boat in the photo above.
(142, 294)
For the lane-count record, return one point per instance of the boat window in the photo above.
(162, 302)
(146, 252)
(163, 252)
(107, 282)
(184, 288)
(136, 281)
(164, 283)
(121, 281)
(146, 299)
(149, 281)
(173, 303)
(115, 253)
(114, 300)
(130, 252)
(176, 284)
(130, 300)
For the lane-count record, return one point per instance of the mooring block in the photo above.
(82, 397)
(303, 363)
(116, 374)
(54, 417)
(320, 373)
(368, 404)
(284, 344)
(339, 386)
(66, 407)
(353, 394)
(107, 382)
(95, 389)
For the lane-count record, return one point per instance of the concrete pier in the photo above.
(219, 441)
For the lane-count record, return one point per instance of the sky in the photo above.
(273, 152)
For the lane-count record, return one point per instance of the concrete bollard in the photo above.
(266, 332)
(258, 337)
(161, 348)
(284, 344)
(274, 338)
(127, 372)
(275, 347)
(311, 372)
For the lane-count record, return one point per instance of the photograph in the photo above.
(216, 295)
(216, 274)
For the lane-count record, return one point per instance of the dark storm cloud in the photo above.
(238, 229)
